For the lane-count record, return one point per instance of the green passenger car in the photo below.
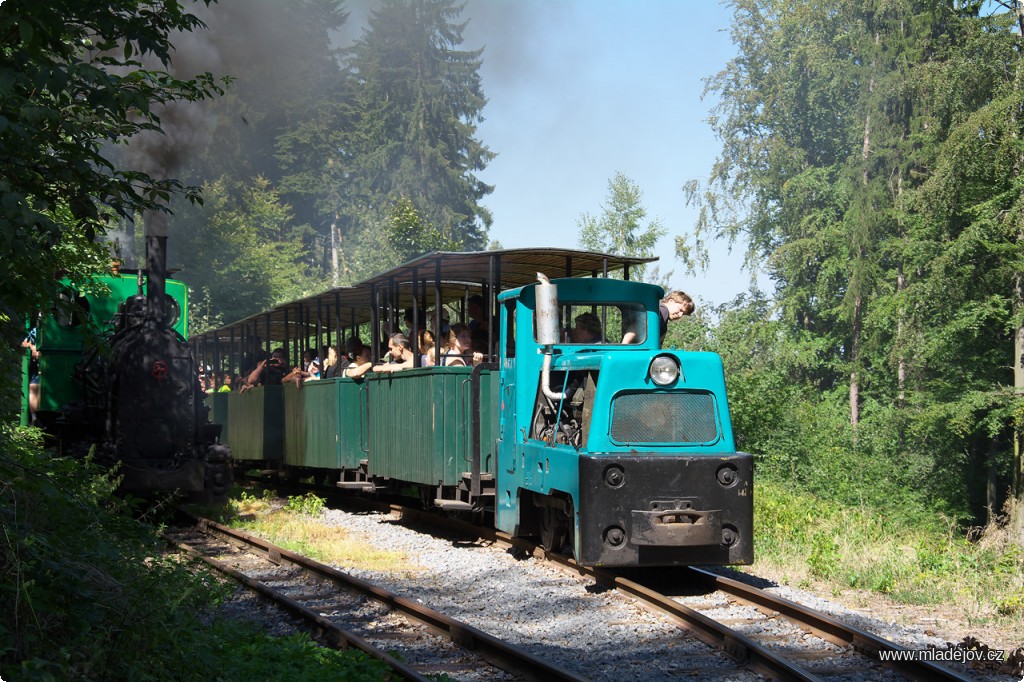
(421, 424)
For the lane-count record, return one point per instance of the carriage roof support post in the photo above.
(327, 327)
(374, 324)
(625, 272)
(604, 309)
(494, 276)
(567, 322)
(340, 342)
(287, 337)
(266, 342)
(421, 302)
(437, 312)
(218, 371)
(417, 361)
(319, 336)
(420, 296)
(392, 306)
(355, 330)
(231, 356)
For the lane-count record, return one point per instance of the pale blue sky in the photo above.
(582, 89)
(579, 90)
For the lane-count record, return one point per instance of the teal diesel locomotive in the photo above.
(581, 431)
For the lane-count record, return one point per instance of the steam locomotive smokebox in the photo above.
(156, 411)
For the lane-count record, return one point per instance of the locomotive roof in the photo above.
(456, 274)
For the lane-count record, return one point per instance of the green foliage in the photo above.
(392, 147)
(619, 229)
(74, 82)
(410, 234)
(871, 157)
(87, 593)
(241, 249)
(916, 559)
(296, 657)
(1012, 606)
(309, 504)
(416, 110)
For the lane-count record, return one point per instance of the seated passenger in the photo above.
(360, 366)
(400, 351)
(477, 319)
(352, 346)
(309, 370)
(331, 365)
(270, 372)
(587, 329)
(311, 364)
(460, 348)
(426, 348)
(479, 344)
(225, 386)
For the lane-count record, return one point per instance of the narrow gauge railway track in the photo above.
(789, 641)
(776, 650)
(779, 637)
(786, 640)
(310, 590)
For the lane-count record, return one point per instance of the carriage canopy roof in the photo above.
(448, 276)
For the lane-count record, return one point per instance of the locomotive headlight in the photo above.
(664, 370)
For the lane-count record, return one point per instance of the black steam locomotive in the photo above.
(118, 375)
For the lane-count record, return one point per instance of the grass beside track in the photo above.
(293, 524)
(870, 557)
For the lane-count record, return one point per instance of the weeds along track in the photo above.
(344, 612)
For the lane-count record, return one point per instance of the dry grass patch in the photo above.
(295, 525)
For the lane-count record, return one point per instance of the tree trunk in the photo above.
(334, 251)
(1016, 507)
(854, 359)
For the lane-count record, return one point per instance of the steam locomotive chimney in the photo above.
(156, 264)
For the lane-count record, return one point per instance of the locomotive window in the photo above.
(72, 308)
(172, 310)
(602, 323)
(510, 329)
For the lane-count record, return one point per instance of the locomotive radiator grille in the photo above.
(681, 417)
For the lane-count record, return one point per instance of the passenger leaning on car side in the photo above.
(270, 372)
(360, 366)
(400, 351)
(460, 348)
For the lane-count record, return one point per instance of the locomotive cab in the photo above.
(610, 445)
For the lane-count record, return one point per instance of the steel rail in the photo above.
(832, 629)
(324, 631)
(500, 653)
(744, 650)
(739, 647)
